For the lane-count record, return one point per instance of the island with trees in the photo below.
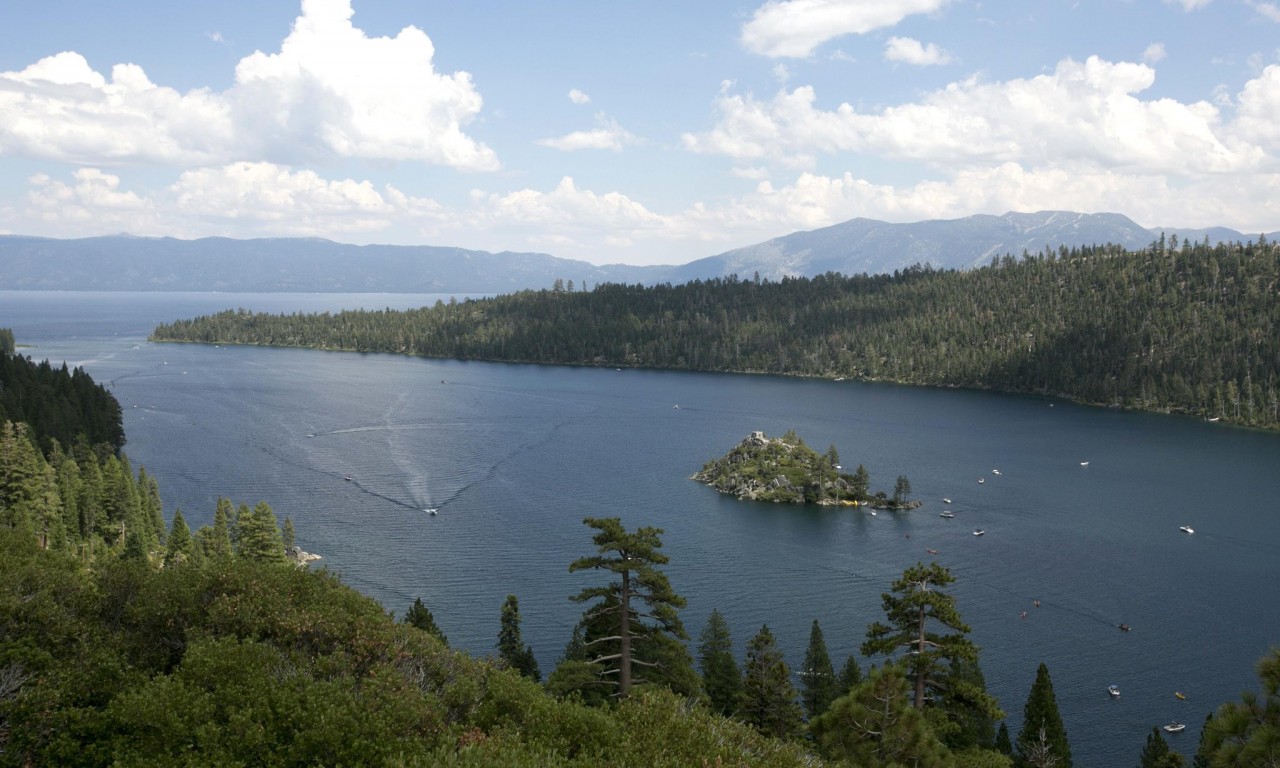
(785, 470)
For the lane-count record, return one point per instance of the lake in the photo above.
(515, 456)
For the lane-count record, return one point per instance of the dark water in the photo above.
(515, 456)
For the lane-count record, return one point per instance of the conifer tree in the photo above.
(1042, 742)
(768, 698)
(1246, 734)
(260, 539)
(850, 675)
(917, 610)
(288, 535)
(181, 547)
(633, 557)
(721, 678)
(1003, 745)
(818, 684)
(511, 648)
(1156, 753)
(418, 616)
(215, 540)
(875, 724)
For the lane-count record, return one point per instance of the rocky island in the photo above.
(786, 471)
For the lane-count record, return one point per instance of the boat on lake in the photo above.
(431, 510)
(1186, 529)
(995, 471)
(945, 500)
(979, 532)
(981, 480)
(1181, 696)
(1084, 463)
(347, 478)
(947, 514)
(1175, 727)
(1114, 690)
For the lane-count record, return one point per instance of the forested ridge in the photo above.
(1179, 327)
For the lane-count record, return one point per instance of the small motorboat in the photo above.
(1084, 463)
(431, 510)
(945, 500)
(947, 514)
(932, 551)
(1181, 696)
(347, 478)
(1114, 690)
(1186, 529)
(995, 471)
(1125, 627)
(979, 532)
(1175, 727)
(981, 480)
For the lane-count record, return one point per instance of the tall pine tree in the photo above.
(768, 698)
(511, 649)
(1042, 742)
(721, 678)
(818, 684)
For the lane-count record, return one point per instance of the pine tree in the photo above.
(260, 539)
(288, 535)
(1003, 745)
(850, 675)
(818, 686)
(418, 616)
(180, 547)
(1156, 753)
(768, 698)
(511, 648)
(875, 724)
(721, 678)
(1042, 742)
(215, 541)
(914, 608)
(632, 557)
(1246, 734)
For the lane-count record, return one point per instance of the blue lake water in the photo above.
(515, 456)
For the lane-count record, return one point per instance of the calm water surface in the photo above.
(515, 456)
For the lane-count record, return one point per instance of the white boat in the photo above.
(873, 512)
(1114, 690)
(981, 480)
(431, 510)
(947, 514)
(945, 500)
(995, 471)
(1186, 529)
(1175, 727)
(1084, 463)
(979, 532)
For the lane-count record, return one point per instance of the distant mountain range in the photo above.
(126, 263)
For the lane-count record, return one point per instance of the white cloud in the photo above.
(795, 28)
(61, 109)
(333, 91)
(911, 51)
(1267, 10)
(1154, 53)
(330, 92)
(1257, 107)
(607, 135)
(1082, 114)
(578, 97)
(1189, 5)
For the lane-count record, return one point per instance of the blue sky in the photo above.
(641, 132)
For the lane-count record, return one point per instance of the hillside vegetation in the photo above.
(1176, 327)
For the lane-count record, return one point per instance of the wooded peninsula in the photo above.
(1176, 327)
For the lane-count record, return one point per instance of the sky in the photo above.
(649, 132)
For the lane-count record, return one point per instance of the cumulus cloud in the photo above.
(1189, 5)
(1084, 113)
(794, 28)
(578, 97)
(1267, 10)
(1153, 53)
(911, 51)
(61, 109)
(606, 135)
(330, 92)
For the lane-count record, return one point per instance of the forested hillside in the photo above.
(1182, 327)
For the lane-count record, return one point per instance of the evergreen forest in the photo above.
(1178, 327)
